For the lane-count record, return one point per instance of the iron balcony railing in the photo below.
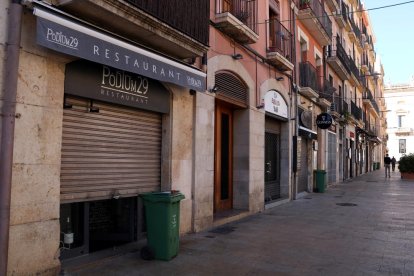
(337, 104)
(190, 17)
(340, 52)
(328, 91)
(354, 68)
(319, 12)
(367, 95)
(345, 12)
(243, 10)
(308, 76)
(345, 107)
(279, 39)
(356, 111)
(375, 105)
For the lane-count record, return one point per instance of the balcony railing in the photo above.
(340, 52)
(280, 39)
(319, 12)
(243, 10)
(345, 12)
(308, 76)
(356, 111)
(375, 105)
(191, 17)
(328, 91)
(354, 68)
(345, 106)
(367, 94)
(355, 29)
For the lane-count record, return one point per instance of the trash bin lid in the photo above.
(162, 196)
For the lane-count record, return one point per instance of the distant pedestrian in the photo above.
(393, 161)
(387, 163)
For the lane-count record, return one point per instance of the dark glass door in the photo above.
(272, 167)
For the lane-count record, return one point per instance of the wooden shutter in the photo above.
(110, 153)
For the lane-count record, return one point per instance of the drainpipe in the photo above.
(8, 115)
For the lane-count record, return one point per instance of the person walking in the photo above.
(387, 163)
(393, 161)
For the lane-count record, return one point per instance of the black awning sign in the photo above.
(324, 120)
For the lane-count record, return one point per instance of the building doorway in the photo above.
(223, 179)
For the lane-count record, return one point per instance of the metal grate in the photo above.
(231, 88)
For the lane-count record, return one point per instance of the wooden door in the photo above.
(223, 159)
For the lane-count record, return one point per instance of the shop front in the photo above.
(276, 143)
(115, 143)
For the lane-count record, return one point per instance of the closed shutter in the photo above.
(110, 153)
(231, 89)
(331, 158)
(304, 170)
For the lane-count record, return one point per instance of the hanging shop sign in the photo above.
(100, 82)
(69, 37)
(324, 120)
(306, 118)
(275, 104)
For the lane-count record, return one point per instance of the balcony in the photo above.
(336, 106)
(355, 34)
(333, 5)
(238, 19)
(313, 16)
(367, 98)
(355, 74)
(326, 96)
(339, 60)
(365, 65)
(280, 47)
(308, 80)
(404, 131)
(345, 17)
(356, 111)
(179, 29)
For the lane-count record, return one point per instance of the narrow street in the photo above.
(361, 227)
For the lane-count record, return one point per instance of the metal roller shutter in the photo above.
(110, 153)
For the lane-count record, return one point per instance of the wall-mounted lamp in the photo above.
(260, 106)
(192, 92)
(280, 78)
(214, 89)
(92, 108)
(237, 56)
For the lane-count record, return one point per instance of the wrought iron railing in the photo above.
(308, 76)
(356, 111)
(243, 10)
(190, 17)
(345, 107)
(340, 52)
(328, 91)
(367, 95)
(354, 68)
(279, 39)
(345, 12)
(319, 12)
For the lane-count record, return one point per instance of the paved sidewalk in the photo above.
(309, 236)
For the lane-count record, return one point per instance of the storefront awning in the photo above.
(70, 37)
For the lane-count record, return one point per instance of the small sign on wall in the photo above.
(275, 104)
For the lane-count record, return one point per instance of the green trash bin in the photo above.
(378, 165)
(162, 211)
(320, 178)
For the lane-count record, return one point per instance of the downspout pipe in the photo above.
(8, 116)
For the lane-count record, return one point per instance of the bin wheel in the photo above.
(147, 253)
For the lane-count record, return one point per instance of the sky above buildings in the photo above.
(393, 29)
